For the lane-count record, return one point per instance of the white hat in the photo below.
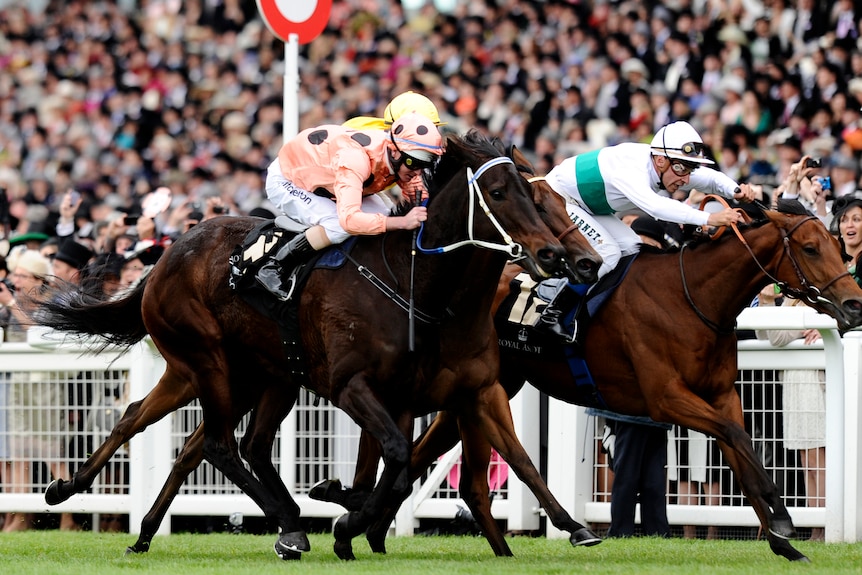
(634, 65)
(35, 263)
(680, 141)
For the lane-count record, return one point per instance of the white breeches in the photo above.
(312, 210)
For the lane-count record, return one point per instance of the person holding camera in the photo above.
(805, 185)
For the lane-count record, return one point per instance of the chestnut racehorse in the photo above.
(664, 346)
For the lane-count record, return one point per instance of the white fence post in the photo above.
(150, 452)
(852, 431)
(570, 460)
(523, 505)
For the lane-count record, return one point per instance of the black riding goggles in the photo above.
(415, 163)
(691, 149)
(683, 168)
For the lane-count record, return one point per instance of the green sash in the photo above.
(591, 186)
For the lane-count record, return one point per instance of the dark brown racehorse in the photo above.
(664, 346)
(552, 211)
(357, 354)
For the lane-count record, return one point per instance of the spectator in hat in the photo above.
(845, 174)
(100, 278)
(139, 262)
(70, 260)
(30, 240)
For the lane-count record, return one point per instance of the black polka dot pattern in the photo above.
(361, 139)
(317, 137)
(422, 129)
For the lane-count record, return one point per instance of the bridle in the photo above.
(807, 291)
(509, 246)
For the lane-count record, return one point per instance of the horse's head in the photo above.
(811, 268)
(500, 204)
(582, 261)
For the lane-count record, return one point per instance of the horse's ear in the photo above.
(521, 161)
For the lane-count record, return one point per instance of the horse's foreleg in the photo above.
(473, 486)
(187, 461)
(256, 448)
(723, 420)
(171, 393)
(362, 406)
(495, 420)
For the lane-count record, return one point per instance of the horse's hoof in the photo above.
(344, 550)
(376, 541)
(326, 490)
(783, 528)
(54, 493)
(291, 545)
(583, 537)
(139, 547)
(783, 548)
(343, 540)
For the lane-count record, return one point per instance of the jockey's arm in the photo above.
(348, 197)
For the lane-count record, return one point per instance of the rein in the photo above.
(808, 292)
(510, 247)
(391, 293)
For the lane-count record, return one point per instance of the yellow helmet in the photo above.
(411, 102)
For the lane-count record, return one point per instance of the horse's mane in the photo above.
(461, 150)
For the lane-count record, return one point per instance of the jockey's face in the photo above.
(671, 179)
(405, 173)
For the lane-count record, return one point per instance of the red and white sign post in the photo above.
(294, 22)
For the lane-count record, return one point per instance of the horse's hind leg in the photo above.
(187, 461)
(171, 393)
(256, 448)
(494, 418)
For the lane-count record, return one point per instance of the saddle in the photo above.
(246, 258)
(516, 318)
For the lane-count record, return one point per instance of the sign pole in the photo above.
(290, 113)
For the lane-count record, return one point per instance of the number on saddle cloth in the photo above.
(257, 247)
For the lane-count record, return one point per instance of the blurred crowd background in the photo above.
(116, 99)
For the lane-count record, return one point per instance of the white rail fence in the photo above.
(322, 441)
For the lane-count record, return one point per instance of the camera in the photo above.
(8, 283)
(825, 183)
(218, 209)
(130, 220)
(813, 163)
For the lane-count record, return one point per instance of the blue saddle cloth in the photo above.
(518, 336)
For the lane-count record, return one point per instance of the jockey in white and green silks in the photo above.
(599, 184)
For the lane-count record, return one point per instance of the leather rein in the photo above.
(807, 292)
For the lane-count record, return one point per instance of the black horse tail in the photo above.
(117, 322)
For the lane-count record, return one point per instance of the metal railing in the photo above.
(320, 441)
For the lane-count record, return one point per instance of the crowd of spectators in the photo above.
(116, 99)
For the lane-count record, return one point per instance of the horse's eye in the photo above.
(541, 209)
(810, 251)
(497, 194)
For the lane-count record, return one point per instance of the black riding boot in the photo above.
(553, 319)
(291, 254)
